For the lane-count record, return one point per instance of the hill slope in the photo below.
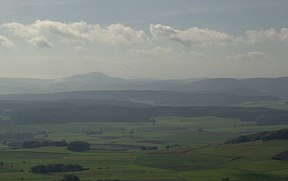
(170, 98)
(277, 87)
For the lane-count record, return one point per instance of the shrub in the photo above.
(71, 178)
(78, 146)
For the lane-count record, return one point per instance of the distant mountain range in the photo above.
(84, 82)
(99, 81)
(187, 92)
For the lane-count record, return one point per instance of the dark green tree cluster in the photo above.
(71, 177)
(149, 148)
(263, 136)
(37, 144)
(78, 146)
(42, 169)
(172, 146)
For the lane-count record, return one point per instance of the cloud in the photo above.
(6, 43)
(254, 37)
(248, 56)
(161, 39)
(158, 53)
(21, 30)
(192, 37)
(28, 33)
(75, 32)
(118, 33)
(152, 51)
(205, 37)
(40, 32)
(41, 42)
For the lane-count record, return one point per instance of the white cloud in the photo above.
(266, 35)
(260, 36)
(78, 31)
(119, 34)
(6, 43)
(255, 55)
(40, 32)
(41, 42)
(165, 54)
(152, 51)
(205, 37)
(21, 30)
(118, 39)
(28, 33)
(193, 36)
(284, 34)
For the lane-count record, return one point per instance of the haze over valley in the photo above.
(105, 90)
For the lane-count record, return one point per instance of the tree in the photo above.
(71, 178)
(78, 146)
(51, 168)
(38, 169)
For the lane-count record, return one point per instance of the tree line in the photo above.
(263, 136)
(42, 169)
(78, 146)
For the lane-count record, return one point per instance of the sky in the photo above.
(144, 39)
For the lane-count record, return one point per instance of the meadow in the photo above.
(184, 149)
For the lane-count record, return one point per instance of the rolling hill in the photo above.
(187, 92)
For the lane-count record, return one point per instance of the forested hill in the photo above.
(63, 112)
(163, 98)
(277, 87)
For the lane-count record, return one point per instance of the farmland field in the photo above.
(183, 149)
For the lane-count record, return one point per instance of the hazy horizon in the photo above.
(143, 39)
(158, 78)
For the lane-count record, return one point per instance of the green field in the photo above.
(116, 152)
